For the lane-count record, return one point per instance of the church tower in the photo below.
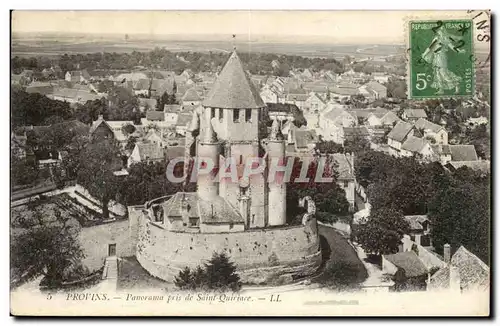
(233, 105)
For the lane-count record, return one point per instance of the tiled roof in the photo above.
(155, 116)
(297, 97)
(400, 131)
(376, 86)
(482, 165)
(441, 149)
(215, 211)
(233, 88)
(356, 131)
(305, 137)
(344, 91)
(474, 273)
(184, 118)
(150, 151)
(365, 113)
(414, 144)
(191, 95)
(409, 262)
(463, 153)
(415, 113)
(175, 152)
(389, 118)
(427, 125)
(280, 107)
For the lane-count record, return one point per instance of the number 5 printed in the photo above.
(422, 81)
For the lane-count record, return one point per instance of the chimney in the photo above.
(100, 117)
(447, 253)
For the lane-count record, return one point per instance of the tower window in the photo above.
(236, 115)
(220, 114)
(212, 113)
(248, 115)
(241, 159)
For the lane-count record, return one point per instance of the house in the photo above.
(74, 95)
(407, 270)
(380, 77)
(355, 133)
(43, 88)
(117, 129)
(182, 123)
(18, 144)
(373, 90)
(463, 272)
(269, 95)
(100, 129)
(414, 114)
(191, 97)
(419, 229)
(133, 77)
(346, 177)
(160, 86)
(432, 131)
(397, 136)
(416, 146)
(146, 152)
(343, 91)
(482, 166)
(331, 123)
(299, 141)
(389, 119)
(474, 122)
(370, 117)
(77, 76)
(314, 103)
(448, 153)
(297, 96)
(282, 112)
(307, 74)
(141, 87)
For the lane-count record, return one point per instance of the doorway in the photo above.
(112, 249)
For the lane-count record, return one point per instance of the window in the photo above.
(236, 115)
(241, 159)
(212, 113)
(346, 184)
(112, 249)
(248, 115)
(220, 114)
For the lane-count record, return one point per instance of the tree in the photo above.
(221, 273)
(218, 274)
(22, 171)
(329, 147)
(460, 213)
(382, 233)
(45, 244)
(131, 141)
(98, 161)
(128, 129)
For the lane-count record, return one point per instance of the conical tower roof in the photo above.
(233, 89)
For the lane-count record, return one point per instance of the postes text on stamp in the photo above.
(441, 60)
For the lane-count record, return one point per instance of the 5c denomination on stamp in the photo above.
(440, 62)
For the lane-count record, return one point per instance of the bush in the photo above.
(219, 274)
(341, 275)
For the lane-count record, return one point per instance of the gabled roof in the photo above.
(191, 95)
(483, 166)
(305, 137)
(282, 107)
(400, 131)
(463, 153)
(346, 91)
(150, 151)
(233, 88)
(474, 273)
(409, 262)
(415, 113)
(356, 131)
(414, 144)
(389, 118)
(427, 125)
(365, 113)
(376, 86)
(297, 97)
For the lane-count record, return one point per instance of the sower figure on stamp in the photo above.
(437, 55)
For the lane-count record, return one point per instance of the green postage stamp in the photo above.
(441, 62)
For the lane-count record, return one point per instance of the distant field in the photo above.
(49, 47)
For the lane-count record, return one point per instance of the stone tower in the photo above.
(233, 106)
(277, 186)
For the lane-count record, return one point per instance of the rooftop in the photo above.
(400, 131)
(409, 262)
(233, 88)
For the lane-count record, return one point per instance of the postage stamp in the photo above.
(441, 60)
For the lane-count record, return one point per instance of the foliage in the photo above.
(218, 274)
(165, 99)
(329, 147)
(128, 129)
(327, 196)
(35, 109)
(98, 161)
(46, 245)
(396, 88)
(22, 172)
(341, 275)
(382, 233)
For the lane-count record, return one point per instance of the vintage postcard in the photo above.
(215, 163)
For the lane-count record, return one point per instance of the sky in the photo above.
(344, 26)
